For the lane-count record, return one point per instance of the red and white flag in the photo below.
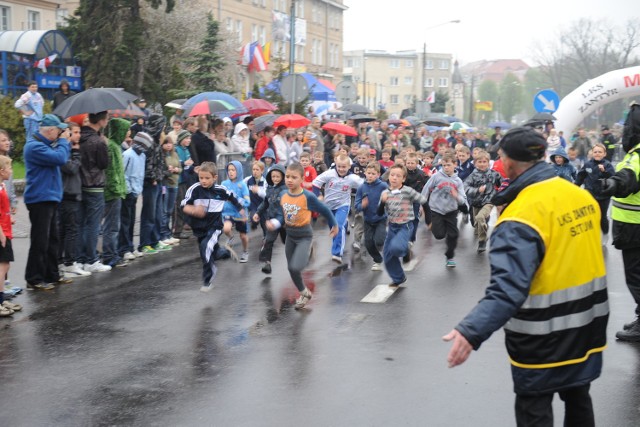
(431, 99)
(257, 60)
(44, 63)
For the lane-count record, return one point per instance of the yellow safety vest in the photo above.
(563, 320)
(627, 209)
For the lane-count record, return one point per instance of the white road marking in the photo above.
(379, 294)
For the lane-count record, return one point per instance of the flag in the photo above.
(431, 99)
(258, 62)
(44, 63)
(266, 53)
(245, 54)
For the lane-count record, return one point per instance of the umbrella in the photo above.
(214, 108)
(258, 106)
(176, 103)
(459, 126)
(435, 121)
(263, 121)
(547, 117)
(501, 125)
(93, 101)
(398, 122)
(362, 118)
(413, 120)
(452, 119)
(356, 109)
(340, 128)
(292, 121)
(213, 96)
(131, 112)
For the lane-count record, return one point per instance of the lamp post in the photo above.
(424, 56)
(364, 78)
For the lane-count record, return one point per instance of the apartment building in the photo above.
(28, 15)
(395, 80)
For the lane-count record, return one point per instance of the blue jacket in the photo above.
(239, 190)
(270, 206)
(566, 170)
(372, 192)
(590, 175)
(134, 167)
(43, 159)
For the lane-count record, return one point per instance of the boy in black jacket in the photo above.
(270, 208)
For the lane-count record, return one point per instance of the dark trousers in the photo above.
(604, 221)
(374, 235)
(42, 261)
(537, 411)
(208, 243)
(631, 261)
(148, 232)
(416, 221)
(269, 239)
(68, 224)
(178, 215)
(127, 221)
(446, 226)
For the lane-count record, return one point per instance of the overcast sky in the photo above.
(489, 29)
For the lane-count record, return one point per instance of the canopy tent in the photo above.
(319, 91)
(19, 50)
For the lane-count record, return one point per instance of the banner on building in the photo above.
(484, 106)
(281, 31)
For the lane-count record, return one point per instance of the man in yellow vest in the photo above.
(625, 213)
(548, 287)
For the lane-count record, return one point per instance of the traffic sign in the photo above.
(346, 92)
(294, 88)
(546, 101)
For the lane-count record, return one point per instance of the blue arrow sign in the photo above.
(546, 101)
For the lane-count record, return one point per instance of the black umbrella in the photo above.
(356, 109)
(413, 120)
(435, 121)
(94, 100)
(259, 123)
(547, 117)
(362, 118)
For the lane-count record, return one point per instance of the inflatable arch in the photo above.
(595, 93)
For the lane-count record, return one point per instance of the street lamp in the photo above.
(424, 56)
(364, 77)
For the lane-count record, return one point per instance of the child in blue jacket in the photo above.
(562, 165)
(231, 216)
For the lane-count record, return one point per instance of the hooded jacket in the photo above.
(489, 178)
(94, 159)
(115, 186)
(438, 190)
(239, 143)
(270, 154)
(71, 181)
(270, 206)
(566, 170)
(372, 191)
(42, 160)
(239, 190)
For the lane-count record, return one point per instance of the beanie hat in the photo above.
(523, 144)
(182, 135)
(144, 139)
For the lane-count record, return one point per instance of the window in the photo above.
(5, 18)
(349, 63)
(356, 63)
(314, 12)
(33, 20)
(280, 5)
(394, 63)
(262, 35)
(279, 49)
(254, 32)
(428, 64)
(428, 82)
(444, 64)
(299, 53)
(229, 25)
(393, 99)
(408, 80)
(393, 81)
(61, 17)
(300, 9)
(408, 99)
(239, 29)
(320, 54)
(443, 82)
(408, 63)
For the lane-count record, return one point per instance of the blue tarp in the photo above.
(319, 92)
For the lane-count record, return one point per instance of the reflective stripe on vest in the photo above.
(556, 324)
(565, 295)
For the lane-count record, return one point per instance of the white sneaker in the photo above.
(356, 246)
(167, 242)
(128, 256)
(304, 298)
(75, 270)
(244, 257)
(138, 254)
(337, 259)
(97, 267)
(174, 241)
(376, 267)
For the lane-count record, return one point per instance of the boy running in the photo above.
(231, 215)
(367, 201)
(270, 208)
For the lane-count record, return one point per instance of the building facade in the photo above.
(396, 81)
(28, 15)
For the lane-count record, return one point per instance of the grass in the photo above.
(18, 170)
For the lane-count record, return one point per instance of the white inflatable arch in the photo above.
(595, 93)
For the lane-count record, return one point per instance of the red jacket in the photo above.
(261, 146)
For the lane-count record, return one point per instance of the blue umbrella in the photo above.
(238, 108)
(502, 125)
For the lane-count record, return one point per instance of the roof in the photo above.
(36, 42)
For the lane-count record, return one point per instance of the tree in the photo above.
(534, 81)
(440, 102)
(488, 91)
(510, 102)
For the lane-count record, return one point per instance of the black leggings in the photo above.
(604, 221)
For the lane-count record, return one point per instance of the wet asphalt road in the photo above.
(142, 346)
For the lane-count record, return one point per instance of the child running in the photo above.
(268, 209)
(446, 193)
(203, 204)
(480, 187)
(367, 201)
(297, 205)
(337, 184)
(397, 201)
(231, 215)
